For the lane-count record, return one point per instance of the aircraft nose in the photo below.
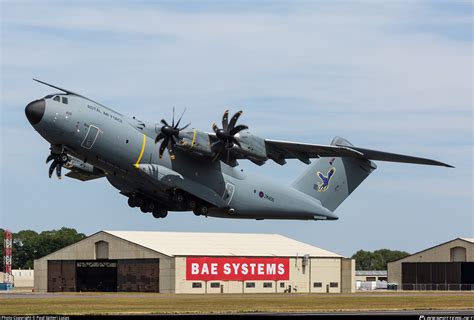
(34, 111)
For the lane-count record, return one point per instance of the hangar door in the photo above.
(138, 275)
(437, 276)
(61, 275)
(96, 275)
(133, 275)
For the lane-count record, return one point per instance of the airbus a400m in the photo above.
(165, 166)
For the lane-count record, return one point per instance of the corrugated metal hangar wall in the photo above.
(171, 262)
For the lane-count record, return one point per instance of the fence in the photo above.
(437, 286)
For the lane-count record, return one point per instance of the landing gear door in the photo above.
(91, 137)
(228, 193)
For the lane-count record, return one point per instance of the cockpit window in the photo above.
(64, 100)
(56, 98)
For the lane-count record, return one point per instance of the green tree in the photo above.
(28, 245)
(377, 260)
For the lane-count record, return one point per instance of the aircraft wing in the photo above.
(305, 151)
(280, 150)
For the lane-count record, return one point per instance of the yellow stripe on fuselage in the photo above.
(194, 139)
(141, 152)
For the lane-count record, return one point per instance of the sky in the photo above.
(393, 75)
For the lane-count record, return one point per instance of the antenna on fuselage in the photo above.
(71, 93)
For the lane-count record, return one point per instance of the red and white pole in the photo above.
(7, 255)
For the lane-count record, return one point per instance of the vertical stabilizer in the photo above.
(332, 180)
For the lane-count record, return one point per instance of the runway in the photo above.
(364, 303)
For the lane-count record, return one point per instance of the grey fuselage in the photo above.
(124, 149)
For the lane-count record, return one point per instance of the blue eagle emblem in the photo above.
(324, 184)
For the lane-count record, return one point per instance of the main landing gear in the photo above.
(147, 205)
(201, 211)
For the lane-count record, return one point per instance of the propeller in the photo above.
(58, 161)
(226, 135)
(170, 135)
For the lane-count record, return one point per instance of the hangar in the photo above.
(186, 262)
(447, 266)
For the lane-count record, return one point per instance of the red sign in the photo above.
(239, 269)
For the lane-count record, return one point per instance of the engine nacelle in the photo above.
(195, 141)
(252, 147)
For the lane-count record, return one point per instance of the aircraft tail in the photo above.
(332, 180)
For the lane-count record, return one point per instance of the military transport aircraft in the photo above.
(199, 171)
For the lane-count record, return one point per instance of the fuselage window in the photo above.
(56, 98)
(64, 100)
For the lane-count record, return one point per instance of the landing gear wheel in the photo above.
(151, 206)
(139, 201)
(160, 213)
(201, 210)
(178, 198)
(192, 204)
(132, 202)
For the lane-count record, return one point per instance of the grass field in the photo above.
(127, 303)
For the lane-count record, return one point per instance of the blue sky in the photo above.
(395, 76)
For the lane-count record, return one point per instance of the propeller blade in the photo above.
(225, 123)
(163, 121)
(159, 137)
(179, 120)
(185, 126)
(170, 149)
(234, 140)
(237, 129)
(49, 158)
(219, 148)
(234, 119)
(58, 170)
(214, 127)
(172, 124)
(163, 147)
(51, 168)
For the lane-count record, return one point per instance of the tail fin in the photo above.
(332, 180)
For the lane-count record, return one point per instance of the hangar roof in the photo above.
(470, 240)
(221, 244)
